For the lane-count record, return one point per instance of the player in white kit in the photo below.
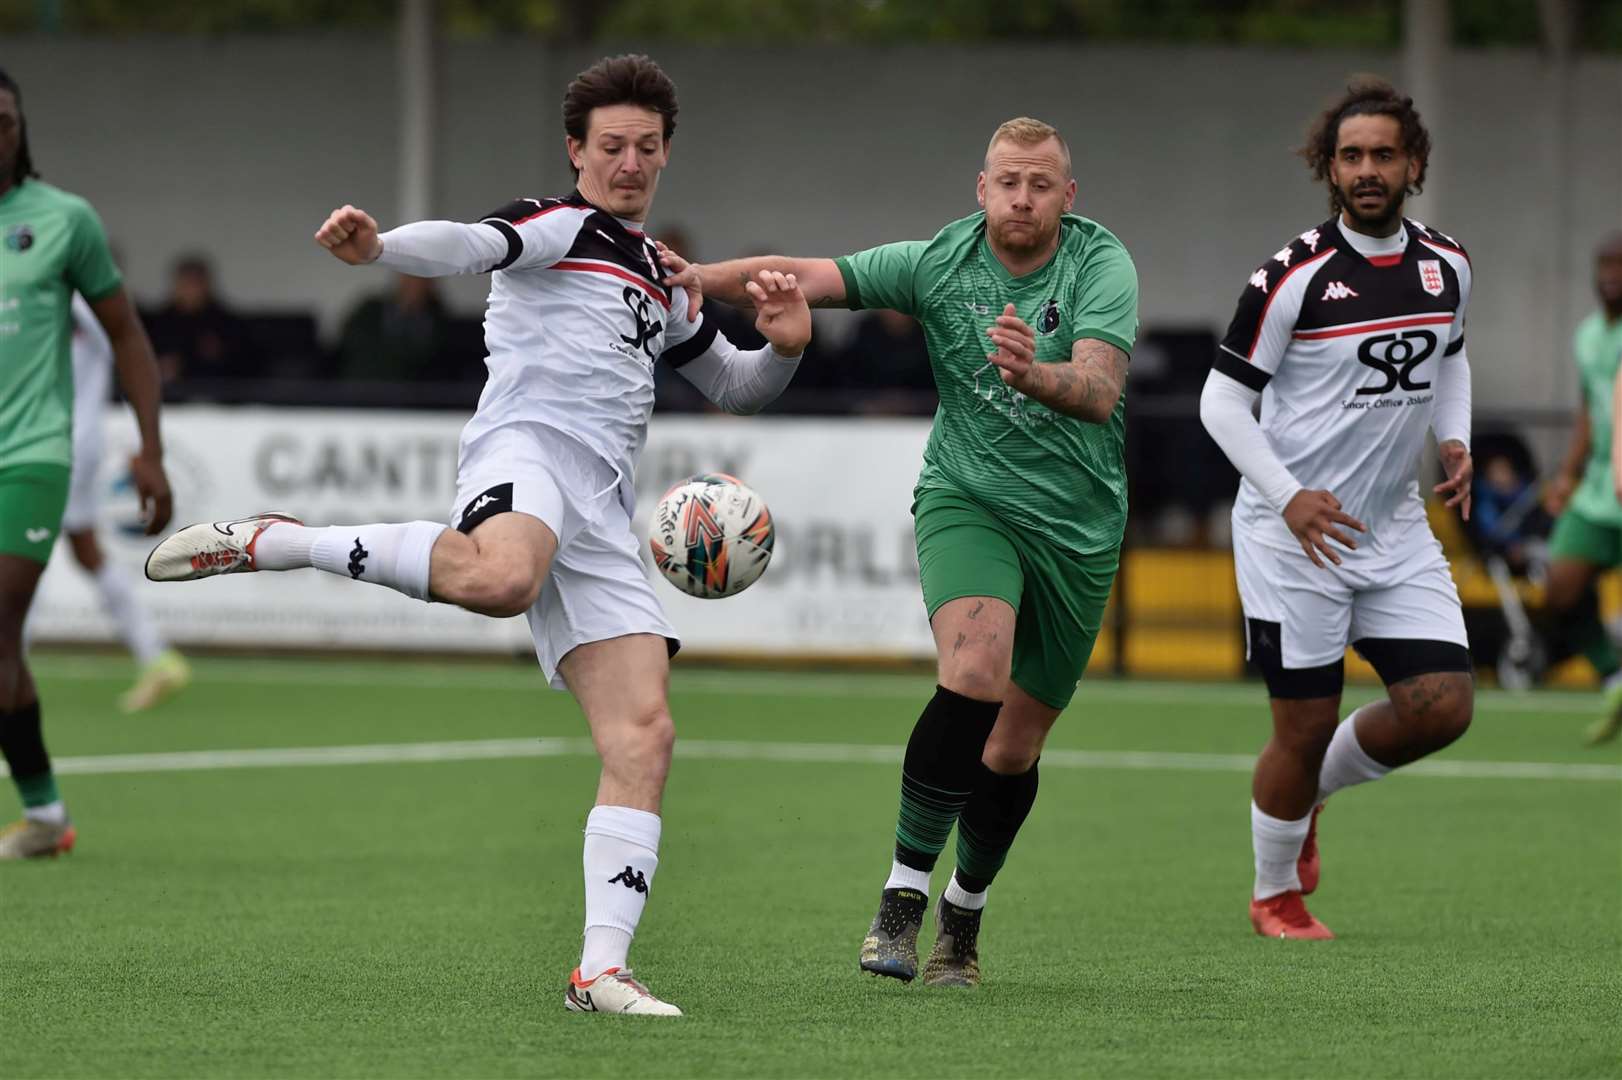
(163, 671)
(1353, 336)
(541, 525)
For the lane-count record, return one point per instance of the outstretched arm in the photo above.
(746, 382)
(819, 279)
(423, 248)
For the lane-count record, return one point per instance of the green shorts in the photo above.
(1586, 540)
(966, 550)
(32, 498)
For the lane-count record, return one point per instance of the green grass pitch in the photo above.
(418, 918)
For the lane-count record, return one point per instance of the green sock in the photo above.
(38, 790)
(989, 823)
(939, 772)
(23, 746)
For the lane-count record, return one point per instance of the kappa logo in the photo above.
(1259, 279)
(1338, 290)
(1430, 276)
(1284, 255)
(486, 505)
(357, 560)
(631, 879)
(1311, 238)
(37, 536)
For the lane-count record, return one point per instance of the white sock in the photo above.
(905, 877)
(118, 599)
(621, 854)
(1277, 844)
(52, 813)
(392, 555)
(1345, 762)
(957, 894)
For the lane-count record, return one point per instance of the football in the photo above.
(711, 536)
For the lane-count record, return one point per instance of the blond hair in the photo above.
(1028, 132)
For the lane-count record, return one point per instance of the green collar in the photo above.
(1001, 272)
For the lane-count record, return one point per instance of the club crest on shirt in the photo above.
(20, 238)
(1047, 317)
(1430, 276)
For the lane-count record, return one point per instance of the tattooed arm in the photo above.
(1086, 387)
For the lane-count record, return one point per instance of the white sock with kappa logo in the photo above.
(395, 556)
(1277, 844)
(621, 854)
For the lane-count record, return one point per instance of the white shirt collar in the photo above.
(1374, 246)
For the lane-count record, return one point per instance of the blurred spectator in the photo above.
(885, 366)
(1506, 518)
(396, 336)
(193, 334)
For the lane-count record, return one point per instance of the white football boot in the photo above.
(219, 547)
(614, 991)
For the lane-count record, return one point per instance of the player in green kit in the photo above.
(1587, 537)
(1030, 313)
(51, 245)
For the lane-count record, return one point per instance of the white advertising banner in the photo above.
(843, 579)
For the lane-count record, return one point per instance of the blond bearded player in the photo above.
(542, 520)
(1019, 508)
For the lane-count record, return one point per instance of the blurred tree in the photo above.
(1284, 23)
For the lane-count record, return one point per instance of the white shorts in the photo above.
(598, 586)
(1319, 612)
(84, 491)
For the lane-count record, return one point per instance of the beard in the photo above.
(1023, 239)
(1374, 220)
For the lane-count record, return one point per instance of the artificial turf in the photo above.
(419, 918)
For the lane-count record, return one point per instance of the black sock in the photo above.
(939, 773)
(22, 743)
(989, 823)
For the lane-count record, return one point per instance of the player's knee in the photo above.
(1306, 735)
(1436, 708)
(1011, 757)
(979, 676)
(653, 730)
(510, 590)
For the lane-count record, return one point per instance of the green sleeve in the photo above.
(1106, 299)
(883, 277)
(90, 268)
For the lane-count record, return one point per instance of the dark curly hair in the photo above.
(632, 79)
(24, 166)
(1366, 95)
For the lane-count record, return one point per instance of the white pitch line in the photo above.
(867, 685)
(730, 750)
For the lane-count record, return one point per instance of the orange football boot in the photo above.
(1285, 916)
